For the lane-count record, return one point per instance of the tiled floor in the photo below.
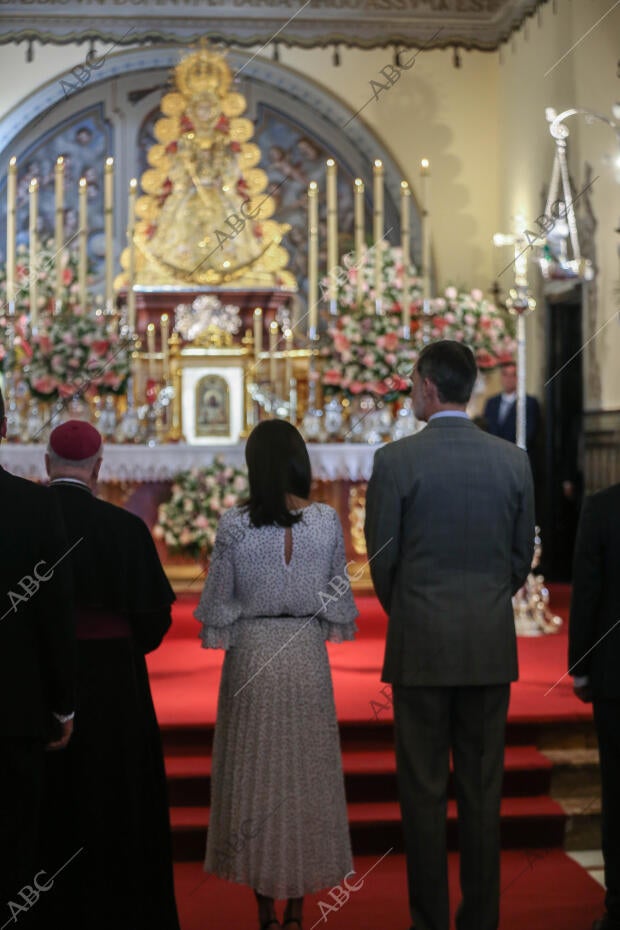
(592, 861)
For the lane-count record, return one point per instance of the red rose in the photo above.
(223, 124)
(67, 276)
(186, 124)
(45, 385)
(485, 359)
(235, 146)
(172, 148)
(100, 346)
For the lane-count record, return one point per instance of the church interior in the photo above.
(216, 213)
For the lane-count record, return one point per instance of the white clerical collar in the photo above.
(76, 481)
(509, 398)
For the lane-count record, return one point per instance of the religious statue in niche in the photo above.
(212, 406)
(205, 216)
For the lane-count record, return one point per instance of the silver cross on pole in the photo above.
(519, 303)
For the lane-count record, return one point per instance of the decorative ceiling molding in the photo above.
(468, 24)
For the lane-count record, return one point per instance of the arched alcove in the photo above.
(298, 125)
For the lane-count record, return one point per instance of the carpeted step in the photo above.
(540, 890)
(376, 827)
(368, 774)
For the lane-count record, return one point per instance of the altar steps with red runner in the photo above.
(540, 890)
(543, 712)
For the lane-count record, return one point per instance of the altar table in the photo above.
(139, 478)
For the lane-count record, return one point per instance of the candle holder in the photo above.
(175, 432)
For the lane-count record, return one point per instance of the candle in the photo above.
(165, 351)
(378, 231)
(83, 258)
(359, 230)
(313, 260)
(332, 233)
(32, 235)
(11, 219)
(288, 361)
(150, 348)
(59, 226)
(273, 344)
(131, 271)
(108, 226)
(258, 337)
(426, 241)
(405, 240)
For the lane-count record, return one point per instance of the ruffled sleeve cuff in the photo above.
(338, 632)
(218, 609)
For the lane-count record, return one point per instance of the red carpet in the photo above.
(185, 677)
(542, 889)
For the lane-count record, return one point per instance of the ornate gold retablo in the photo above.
(205, 216)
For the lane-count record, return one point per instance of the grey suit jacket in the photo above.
(450, 538)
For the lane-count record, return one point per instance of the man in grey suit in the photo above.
(450, 538)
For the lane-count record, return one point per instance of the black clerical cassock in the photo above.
(106, 793)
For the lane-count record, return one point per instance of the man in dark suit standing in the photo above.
(500, 411)
(594, 659)
(450, 537)
(37, 669)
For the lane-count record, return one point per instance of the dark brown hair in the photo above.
(451, 367)
(278, 464)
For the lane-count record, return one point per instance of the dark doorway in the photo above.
(564, 427)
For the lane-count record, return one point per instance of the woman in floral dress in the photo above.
(277, 589)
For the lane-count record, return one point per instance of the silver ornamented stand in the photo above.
(530, 604)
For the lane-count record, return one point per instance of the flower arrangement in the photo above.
(75, 352)
(346, 279)
(469, 318)
(187, 523)
(46, 277)
(366, 353)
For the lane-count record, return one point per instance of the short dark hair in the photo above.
(2, 411)
(278, 464)
(451, 366)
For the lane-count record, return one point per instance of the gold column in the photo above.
(175, 433)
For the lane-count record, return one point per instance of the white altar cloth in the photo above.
(330, 461)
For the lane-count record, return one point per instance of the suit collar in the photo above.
(451, 423)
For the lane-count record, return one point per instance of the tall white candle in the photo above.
(258, 336)
(273, 345)
(332, 232)
(359, 236)
(33, 271)
(83, 226)
(165, 350)
(131, 270)
(150, 348)
(405, 242)
(108, 227)
(426, 227)
(313, 260)
(378, 232)
(288, 361)
(59, 226)
(11, 226)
